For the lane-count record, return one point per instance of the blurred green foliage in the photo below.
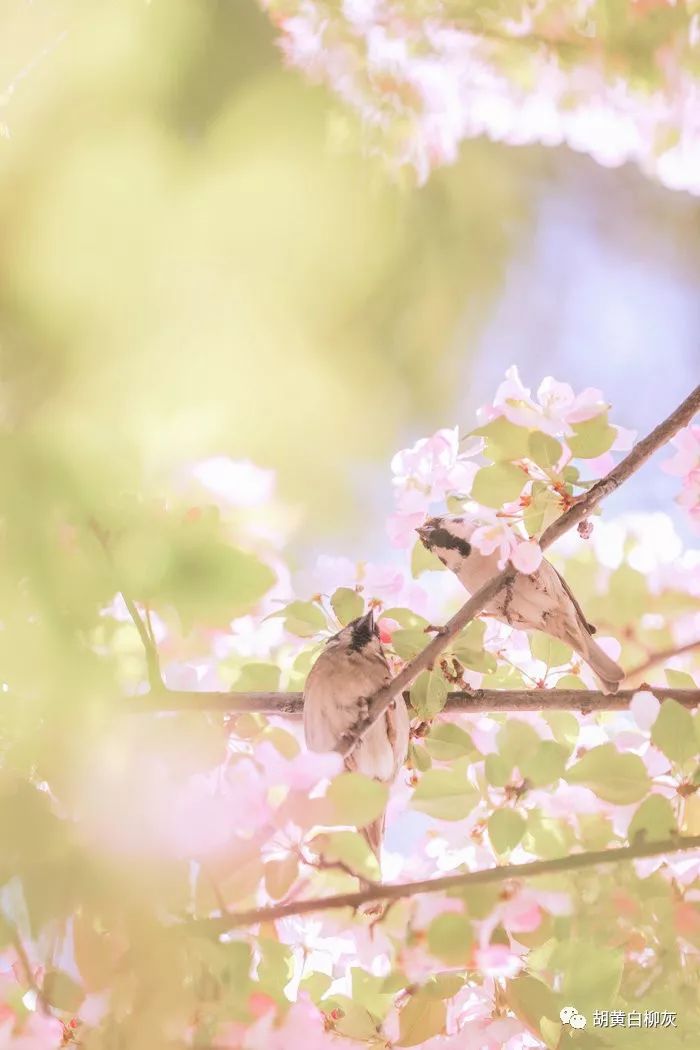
(197, 256)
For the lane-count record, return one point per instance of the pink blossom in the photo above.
(498, 960)
(644, 708)
(302, 773)
(431, 468)
(401, 528)
(521, 915)
(689, 497)
(496, 536)
(527, 556)
(557, 406)
(687, 455)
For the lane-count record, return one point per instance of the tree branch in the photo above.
(378, 703)
(393, 892)
(481, 701)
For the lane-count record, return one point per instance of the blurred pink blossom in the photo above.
(37, 1032)
(686, 465)
(302, 1025)
(235, 482)
(498, 960)
(687, 454)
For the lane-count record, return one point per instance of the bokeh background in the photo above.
(199, 257)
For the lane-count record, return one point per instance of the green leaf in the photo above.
(532, 1001)
(654, 819)
(547, 837)
(419, 757)
(206, 579)
(443, 985)
(544, 450)
(356, 1021)
(304, 619)
(275, 968)
(284, 742)
(549, 650)
(258, 678)
(614, 777)
(447, 741)
(428, 694)
(569, 681)
(497, 770)
(350, 848)
(504, 440)
(596, 831)
(499, 484)
(280, 875)
(546, 764)
(61, 991)
(450, 938)
(445, 794)
(469, 649)
(405, 617)
(347, 605)
(673, 732)
(565, 727)
(592, 974)
(592, 437)
(370, 991)
(356, 799)
(315, 985)
(627, 593)
(408, 643)
(475, 659)
(506, 829)
(680, 679)
(517, 741)
(423, 560)
(421, 1018)
(543, 503)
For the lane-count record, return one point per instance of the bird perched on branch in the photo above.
(542, 600)
(350, 669)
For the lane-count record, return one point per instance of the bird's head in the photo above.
(359, 635)
(448, 537)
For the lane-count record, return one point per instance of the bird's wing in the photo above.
(333, 694)
(579, 611)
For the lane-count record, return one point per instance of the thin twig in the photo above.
(155, 678)
(379, 701)
(145, 630)
(481, 701)
(654, 659)
(16, 942)
(396, 891)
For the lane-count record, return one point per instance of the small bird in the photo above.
(542, 600)
(350, 669)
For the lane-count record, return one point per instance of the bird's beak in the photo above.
(425, 532)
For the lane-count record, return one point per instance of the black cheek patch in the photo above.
(446, 540)
(361, 636)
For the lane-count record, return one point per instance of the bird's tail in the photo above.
(605, 668)
(374, 836)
